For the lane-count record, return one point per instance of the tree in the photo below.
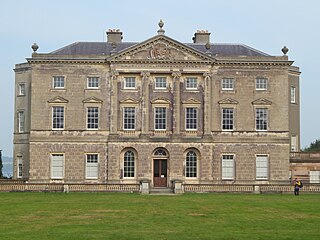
(314, 147)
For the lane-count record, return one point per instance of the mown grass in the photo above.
(133, 216)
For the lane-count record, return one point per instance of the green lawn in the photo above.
(133, 216)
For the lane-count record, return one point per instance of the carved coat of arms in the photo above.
(161, 52)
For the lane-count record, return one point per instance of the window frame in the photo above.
(160, 118)
(19, 167)
(161, 83)
(228, 120)
(58, 117)
(129, 169)
(265, 175)
(293, 98)
(191, 164)
(126, 119)
(226, 83)
(314, 176)
(21, 121)
(57, 168)
(191, 85)
(91, 83)
(261, 86)
(93, 121)
(56, 82)
(191, 121)
(92, 168)
(133, 82)
(22, 89)
(266, 119)
(225, 174)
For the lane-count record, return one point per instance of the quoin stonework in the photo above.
(156, 111)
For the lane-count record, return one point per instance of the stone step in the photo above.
(161, 191)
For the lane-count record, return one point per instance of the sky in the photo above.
(264, 25)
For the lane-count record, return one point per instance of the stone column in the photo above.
(176, 102)
(114, 102)
(145, 103)
(207, 104)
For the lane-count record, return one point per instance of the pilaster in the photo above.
(114, 102)
(207, 103)
(176, 102)
(145, 103)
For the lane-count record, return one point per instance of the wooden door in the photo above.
(160, 172)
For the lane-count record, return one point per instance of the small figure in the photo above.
(297, 185)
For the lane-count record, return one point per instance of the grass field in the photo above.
(133, 216)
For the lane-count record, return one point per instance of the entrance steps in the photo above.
(161, 191)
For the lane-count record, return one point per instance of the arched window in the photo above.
(160, 152)
(128, 164)
(191, 164)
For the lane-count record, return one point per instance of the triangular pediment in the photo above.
(228, 101)
(261, 101)
(160, 101)
(191, 101)
(129, 101)
(161, 48)
(92, 100)
(58, 100)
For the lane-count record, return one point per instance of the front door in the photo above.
(160, 172)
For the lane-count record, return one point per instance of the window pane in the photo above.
(191, 118)
(92, 117)
(161, 83)
(293, 94)
(227, 118)
(227, 84)
(130, 82)
(191, 83)
(58, 82)
(261, 84)
(261, 119)
(57, 166)
(262, 167)
(191, 164)
(228, 167)
(92, 166)
(21, 121)
(160, 118)
(58, 117)
(22, 89)
(128, 164)
(129, 118)
(93, 82)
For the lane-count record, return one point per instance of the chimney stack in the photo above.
(201, 36)
(114, 36)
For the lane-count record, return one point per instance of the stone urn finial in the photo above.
(34, 47)
(285, 50)
(208, 46)
(161, 24)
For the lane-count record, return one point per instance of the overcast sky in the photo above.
(264, 25)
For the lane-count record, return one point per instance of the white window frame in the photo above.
(160, 83)
(92, 165)
(57, 165)
(258, 119)
(227, 119)
(58, 117)
(19, 167)
(130, 83)
(93, 82)
(294, 143)
(159, 119)
(22, 89)
(128, 118)
(293, 94)
(261, 84)
(191, 83)
(93, 115)
(262, 167)
(191, 167)
(314, 176)
(21, 121)
(58, 82)
(227, 84)
(190, 122)
(227, 167)
(129, 158)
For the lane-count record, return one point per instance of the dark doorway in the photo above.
(160, 172)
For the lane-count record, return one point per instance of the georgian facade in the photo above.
(159, 110)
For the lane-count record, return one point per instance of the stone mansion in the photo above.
(157, 110)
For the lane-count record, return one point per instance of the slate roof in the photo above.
(100, 48)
